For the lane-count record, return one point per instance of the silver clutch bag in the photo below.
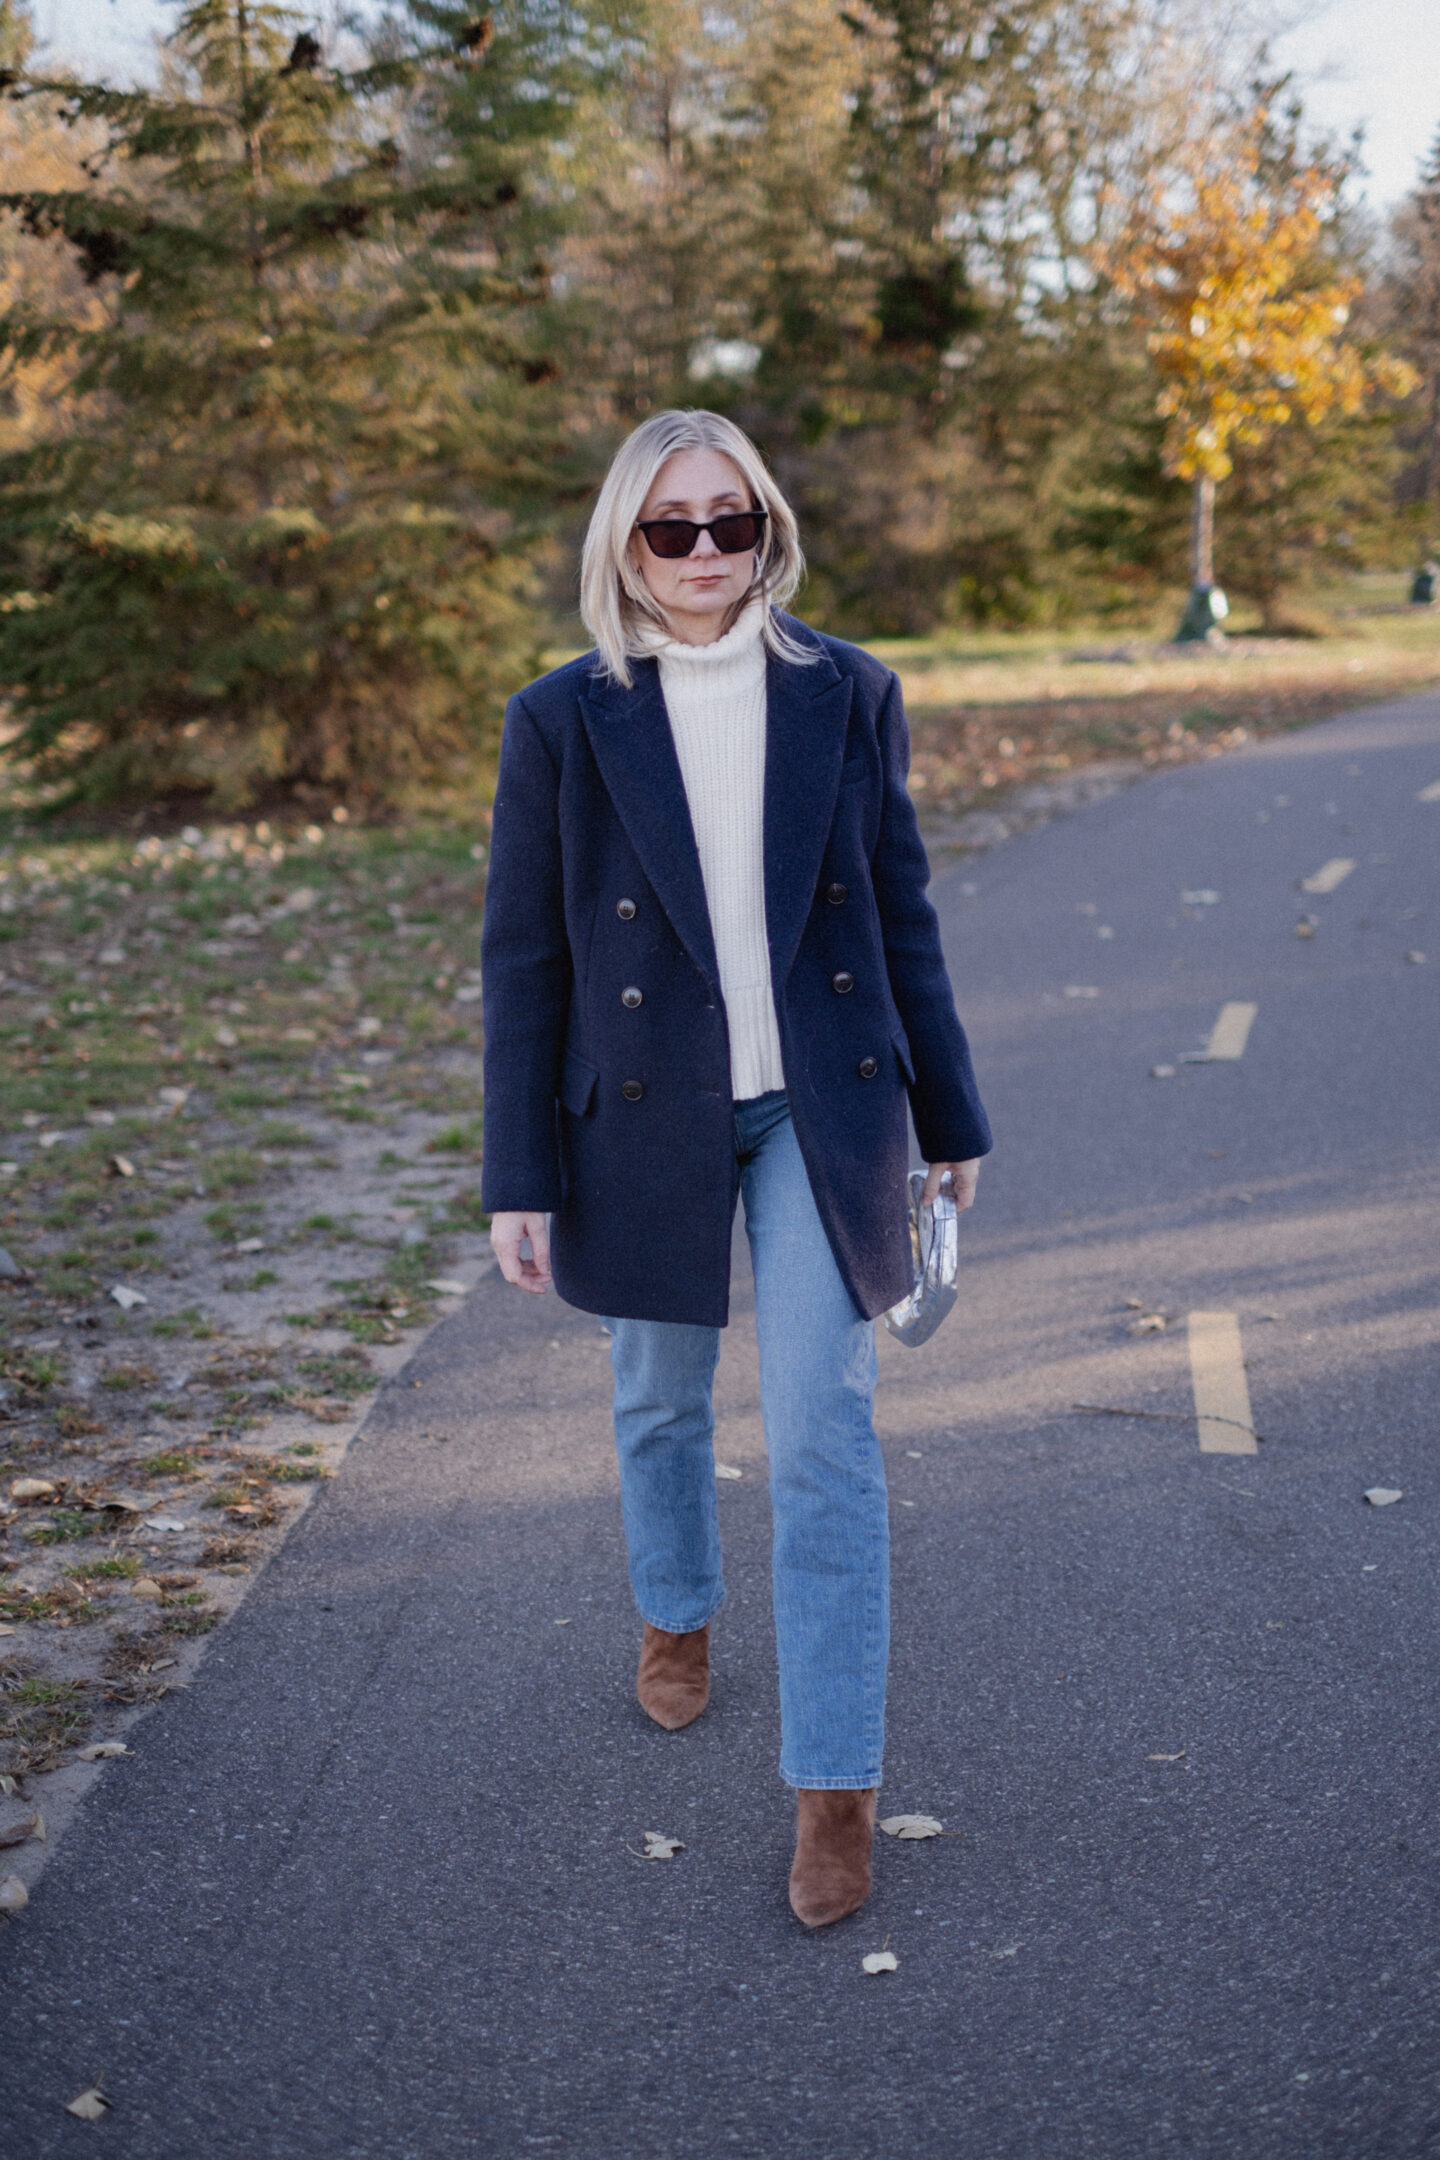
(935, 1249)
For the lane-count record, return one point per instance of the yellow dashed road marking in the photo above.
(1329, 875)
(1231, 1032)
(1222, 1393)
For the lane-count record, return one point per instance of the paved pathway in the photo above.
(371, 1889)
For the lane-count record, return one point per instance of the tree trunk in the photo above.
(1202, 532)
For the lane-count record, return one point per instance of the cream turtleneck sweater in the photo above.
(715, 696)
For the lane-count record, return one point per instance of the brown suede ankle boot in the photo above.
(834, 1838)
(673, 1682)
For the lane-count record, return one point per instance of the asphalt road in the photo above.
(371, 1889)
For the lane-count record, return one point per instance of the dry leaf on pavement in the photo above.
(33, 1488)
(1384, 1495)
(1167, 1758)
(91, 2106)
(147, 1587)
(14, 1897)
(20, 1833)
(880, 1961)
(660, 1847)
(102, 1750)
(727, 1470)
(912, 1826)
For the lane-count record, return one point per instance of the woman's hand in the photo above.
(508, 1233)
(964, 1177)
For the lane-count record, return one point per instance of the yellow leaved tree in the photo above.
(1249, 319)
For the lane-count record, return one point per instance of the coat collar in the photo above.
(806, 711)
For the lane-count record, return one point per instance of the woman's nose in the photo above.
(705, 544)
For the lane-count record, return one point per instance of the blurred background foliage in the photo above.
(312, 353)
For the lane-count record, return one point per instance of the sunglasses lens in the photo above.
(737, 535)
(671, 538)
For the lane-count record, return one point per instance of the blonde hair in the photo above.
(616, 606)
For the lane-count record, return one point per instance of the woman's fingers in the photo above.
(508, 1235)
(964, 1177)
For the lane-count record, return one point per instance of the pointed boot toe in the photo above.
(673, 1683)
(834, 1845)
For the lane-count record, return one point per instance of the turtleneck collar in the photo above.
(737, 643)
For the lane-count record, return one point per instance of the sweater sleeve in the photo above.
(527, 972)
(950, 1120)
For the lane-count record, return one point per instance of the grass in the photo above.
(990, 711)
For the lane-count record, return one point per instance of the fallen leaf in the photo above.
(226, 1037)
(51, 1139)
(1134, 1304)
(1162, 1072)
(91, 2106)
(8, 1785)
(1199, 899)
(727, 1470)
(6, 1629)
(660, 1847)
(1384, 1495)
(1167, 1758)
(147, 1587)
(126, 1298)
(1416, 959)
(1011, 1950)
(250, 1244)
(14, 1897)
(163, 1522)
(174, 1098)
(102, 1750)
(444, 1287)
(33, 1488)
(1305, 928)
(20, 1833)
(1152, 1323)
(912, 1826)
(1081, 990)
(879, 1961)
(122, 1166)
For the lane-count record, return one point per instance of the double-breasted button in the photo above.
(632, 997)
(837, 894)
(632, 1090)
(868, 1067)
(625, 909)
(843, 983)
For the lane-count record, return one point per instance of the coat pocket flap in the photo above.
(902, 1050)
(578, 1081)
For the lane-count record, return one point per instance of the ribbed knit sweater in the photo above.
(715, 696)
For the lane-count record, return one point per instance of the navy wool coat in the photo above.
(613, 1111)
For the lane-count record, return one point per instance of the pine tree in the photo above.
(287, 542)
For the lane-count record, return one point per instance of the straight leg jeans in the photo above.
(831, 1559)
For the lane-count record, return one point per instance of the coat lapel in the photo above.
(804, 750)
(630, 736)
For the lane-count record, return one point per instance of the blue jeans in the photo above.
(831, 1559)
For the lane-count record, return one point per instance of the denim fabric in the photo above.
(831, 1557)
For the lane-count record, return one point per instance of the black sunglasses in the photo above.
(734, 534)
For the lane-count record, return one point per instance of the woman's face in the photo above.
(696, 592)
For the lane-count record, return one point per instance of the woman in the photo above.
(711, 969)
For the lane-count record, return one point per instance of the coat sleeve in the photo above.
(527, 972)
(950, 1120)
